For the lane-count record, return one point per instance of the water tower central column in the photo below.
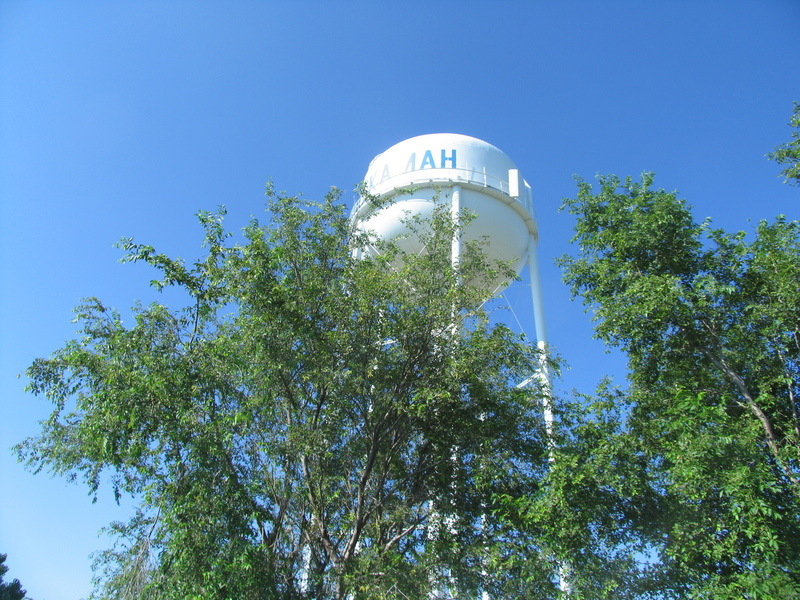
(455, 213)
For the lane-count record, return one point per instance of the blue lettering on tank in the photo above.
(451, 158)
(427, 161)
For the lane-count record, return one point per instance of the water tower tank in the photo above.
(435, 166)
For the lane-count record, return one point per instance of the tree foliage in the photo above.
(9, 591)
(696, 465)
(308, 426)
(789, 153)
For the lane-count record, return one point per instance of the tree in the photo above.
(695, 467)
(789, 153)
(9, 591)
(310, 425)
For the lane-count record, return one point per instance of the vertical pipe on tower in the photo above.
(455, 214)
(543, 372)
(536, 293)
(541, 335)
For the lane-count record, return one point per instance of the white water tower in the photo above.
(469, 174)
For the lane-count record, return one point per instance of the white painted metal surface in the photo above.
(436, 166)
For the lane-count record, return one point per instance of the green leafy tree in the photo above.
(310, 425)
(694, 469)
(9, 591)
(789, 153)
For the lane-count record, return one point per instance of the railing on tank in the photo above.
(411, 179)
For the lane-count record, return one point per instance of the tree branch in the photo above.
(752, 405)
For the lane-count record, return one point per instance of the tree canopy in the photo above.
(9, 591)
(789, 153)
(693, 470)
(309, 425)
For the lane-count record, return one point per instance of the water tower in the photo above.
(471, 175)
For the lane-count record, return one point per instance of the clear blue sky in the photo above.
(125, 118)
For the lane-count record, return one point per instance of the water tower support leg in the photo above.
(543, 374)
(541, 333)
